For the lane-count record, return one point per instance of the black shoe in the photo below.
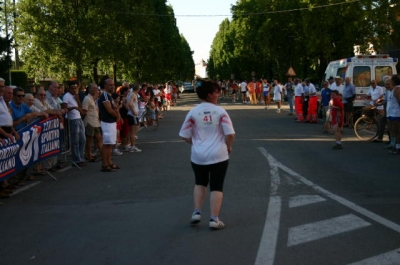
(377, 140)
(337, 147)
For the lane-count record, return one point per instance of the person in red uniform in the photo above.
(337, 113)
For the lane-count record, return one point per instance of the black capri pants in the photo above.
(214, 173)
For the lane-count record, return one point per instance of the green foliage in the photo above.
(305, 37)
(61, 39)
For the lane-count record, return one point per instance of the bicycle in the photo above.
(366, 127)
(358, 113)
(149, 119)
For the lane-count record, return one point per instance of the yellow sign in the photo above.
(291, 72)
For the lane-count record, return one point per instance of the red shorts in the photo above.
(337, 120)
(125, 130)
(119, 125)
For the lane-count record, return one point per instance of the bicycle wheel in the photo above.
(162, 112)
(366, 128)
(150, 124)
(356, 115)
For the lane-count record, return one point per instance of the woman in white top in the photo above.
(266, 86)
(208, 128)
(393, 113)
(277, 95)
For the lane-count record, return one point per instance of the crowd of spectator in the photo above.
(98, 121)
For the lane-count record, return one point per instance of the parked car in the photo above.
(186, 87)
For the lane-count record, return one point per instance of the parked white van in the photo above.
(362, 69)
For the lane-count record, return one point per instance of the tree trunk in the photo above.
(95, 75)
(115, 73)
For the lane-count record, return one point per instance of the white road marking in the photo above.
(25, 187)
(269, 238)
(291, 181)
(388, 258)
(273, 164)
(383, 221)
(303, 200)
(64, 169)
(267, 249)
(321, 229)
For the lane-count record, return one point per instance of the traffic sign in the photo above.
(291, 72)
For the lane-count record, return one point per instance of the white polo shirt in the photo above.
(298, 90)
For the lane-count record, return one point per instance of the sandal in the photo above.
(59, 166)
(93, 160)
(113, 166)
(21, 183)
(107, 169)
(39, 173)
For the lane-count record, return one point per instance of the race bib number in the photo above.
(208, 118)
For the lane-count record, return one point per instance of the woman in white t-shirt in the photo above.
(208, 128)
(278, 95)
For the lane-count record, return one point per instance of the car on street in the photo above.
(186, 87)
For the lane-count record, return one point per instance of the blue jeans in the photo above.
(290, 101)
(78, 140)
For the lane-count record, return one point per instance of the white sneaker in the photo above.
(116, 152)
(127, 147)
(216, 224)
(136, 137)
(195, 219)
(278, 111)
(134, 149)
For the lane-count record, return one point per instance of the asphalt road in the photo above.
(288, 199)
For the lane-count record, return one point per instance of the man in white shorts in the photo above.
(108, 120)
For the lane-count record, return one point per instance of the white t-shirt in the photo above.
(312, 90)
(92, 115)
(336, 87)
(207, 125)
(298, 90)
(277, 92)
(243, 86)
(5, 116)
(71, 102)
(375, 94)
(156, 93)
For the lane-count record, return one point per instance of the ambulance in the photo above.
(362, 69)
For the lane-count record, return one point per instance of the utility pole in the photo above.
(8, 42)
